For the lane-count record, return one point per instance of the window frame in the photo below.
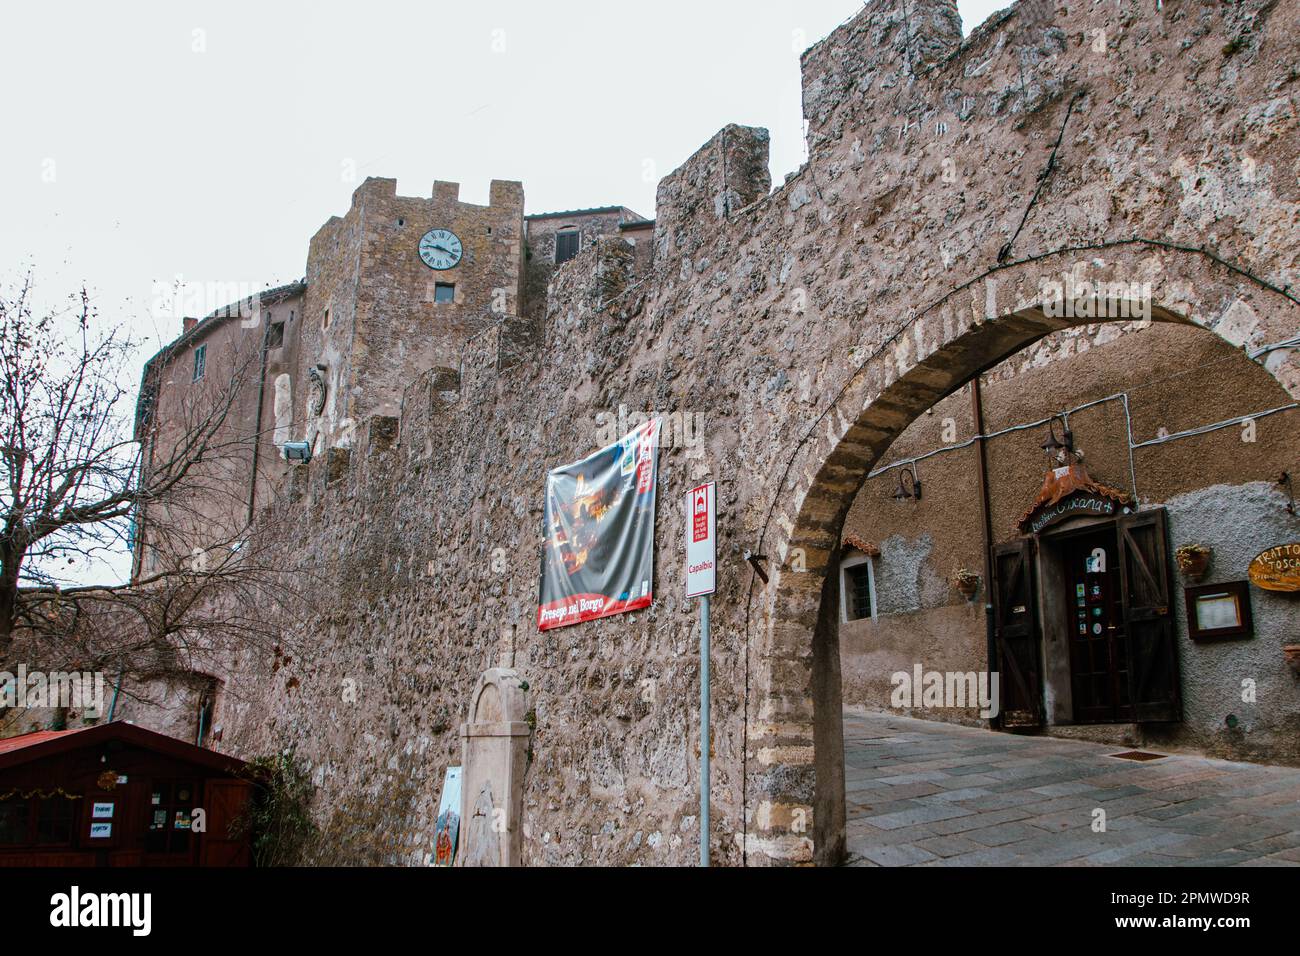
(200, 362)
(31, 820)
(22, 821)
(450, 287)
(1244, 630)
(576, 233)
(846, 565)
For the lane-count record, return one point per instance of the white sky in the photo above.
(209, 140)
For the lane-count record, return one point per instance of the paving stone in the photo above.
(965, 793)
(951, 845)
(903, 818)
(1275, 844)
(1064, 789)
(1059, 822)
(977, 820)
(902, 855)
(1125, 853)
(1001, 834)
(1179, 809)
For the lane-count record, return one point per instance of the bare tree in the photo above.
(80, 466)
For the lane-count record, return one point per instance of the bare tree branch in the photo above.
(79, 469)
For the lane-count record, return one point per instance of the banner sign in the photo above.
(701, 535)
(599, 524)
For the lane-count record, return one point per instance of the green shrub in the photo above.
(278, 818)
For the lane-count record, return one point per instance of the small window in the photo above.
(326, 323)
(275, 337)
(566, 245)
(54, 820)
(444, 292)
(857, 589)
(15, 815)
(200, 362)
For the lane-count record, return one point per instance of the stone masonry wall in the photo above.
(762, 311)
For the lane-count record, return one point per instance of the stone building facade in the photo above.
(238, 363)
(813, 327)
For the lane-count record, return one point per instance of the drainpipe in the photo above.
(117, 688)
(257, 424)
(981, 445)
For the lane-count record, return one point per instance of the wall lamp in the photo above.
(909, 486)
(1054, 446)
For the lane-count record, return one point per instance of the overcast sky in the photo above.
(146, 141)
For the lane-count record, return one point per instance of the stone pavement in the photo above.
(932, 794)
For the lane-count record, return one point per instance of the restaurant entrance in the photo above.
(1108, 638)
(1098, 648)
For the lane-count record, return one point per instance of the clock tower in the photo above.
(399, 285)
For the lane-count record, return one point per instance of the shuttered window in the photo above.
(857, 583)
(566, 245)
(859, 591)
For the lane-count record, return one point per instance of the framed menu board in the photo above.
(1219, 612)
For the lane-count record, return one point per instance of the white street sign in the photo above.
(701, 540)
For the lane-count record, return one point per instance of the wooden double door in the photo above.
(1113, 622)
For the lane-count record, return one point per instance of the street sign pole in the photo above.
(704, 730)
(701, 581)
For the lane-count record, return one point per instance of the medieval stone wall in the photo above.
(808, 326)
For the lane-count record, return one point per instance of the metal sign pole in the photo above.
(701, 581)
(704, 730)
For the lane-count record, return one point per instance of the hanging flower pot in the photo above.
(1193, 561)
(1292, 654)
(966, 582)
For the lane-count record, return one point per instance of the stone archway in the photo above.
(797, 792)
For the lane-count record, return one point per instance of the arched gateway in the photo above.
(797, 790)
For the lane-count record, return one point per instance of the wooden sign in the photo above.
(1069, 492)
(1076, 504)
(1277, 569)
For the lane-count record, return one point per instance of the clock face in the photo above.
(440, 249)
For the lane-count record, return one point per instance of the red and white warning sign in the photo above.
(701, 540)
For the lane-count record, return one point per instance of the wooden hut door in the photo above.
(226, 800)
